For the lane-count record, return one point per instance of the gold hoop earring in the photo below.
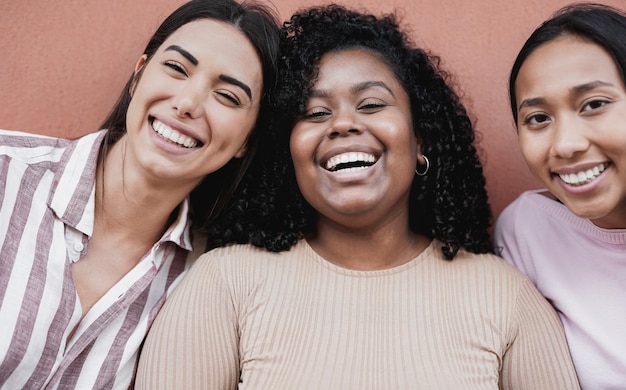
(425, 169)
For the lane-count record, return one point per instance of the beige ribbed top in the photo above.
(292, 320)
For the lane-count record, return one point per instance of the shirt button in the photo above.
(78, 247)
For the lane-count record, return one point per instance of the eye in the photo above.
(176, 67)
(228, 97)
(371, 105)
(594, 105)
(317, 114)
(536, 120)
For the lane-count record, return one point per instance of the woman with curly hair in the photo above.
(388, 283)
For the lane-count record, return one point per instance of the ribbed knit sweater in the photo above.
(292, 320)
(581, 269)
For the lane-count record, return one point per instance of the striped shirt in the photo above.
(47, 188)
(244, 318)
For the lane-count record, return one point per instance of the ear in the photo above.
(242, 150)
(140, 63)
(420, 156)
(138, 68)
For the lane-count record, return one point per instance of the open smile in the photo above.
(174, 136)
(350, 161)
(583, 177)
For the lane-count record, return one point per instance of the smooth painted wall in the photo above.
(63, 63)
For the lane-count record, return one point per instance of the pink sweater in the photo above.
(581, 269)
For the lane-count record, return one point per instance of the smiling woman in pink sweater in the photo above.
(568, 96)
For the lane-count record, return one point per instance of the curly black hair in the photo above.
(449, 203)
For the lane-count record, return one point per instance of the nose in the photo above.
(188, 101)
(343, 124)
(570, 137)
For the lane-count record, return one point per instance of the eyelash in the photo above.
(527, 121)
(316, 114)
(230, 97)
(176, 67)
(598, 102)
(592, 105)
(370, 106)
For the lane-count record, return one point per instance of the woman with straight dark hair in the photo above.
(379, 196)
(568, 98)
(96, 232)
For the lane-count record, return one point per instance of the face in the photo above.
(572, 127)
(354, 149)
(195, 103)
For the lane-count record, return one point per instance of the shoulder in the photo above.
(485, 283)
(527, 204)
(480, 272)
(533, 213)
(31, 148)
(248, 253)
(246, 261)
(486, 267)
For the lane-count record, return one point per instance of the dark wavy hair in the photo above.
(596, 23)
(260, 25)
(449, 203)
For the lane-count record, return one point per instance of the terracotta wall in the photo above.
(63, 63)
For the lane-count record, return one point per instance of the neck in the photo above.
(386, 246)
(126, 205)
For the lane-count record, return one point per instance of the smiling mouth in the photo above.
(173, 136)
(350, 161)
(583, 177)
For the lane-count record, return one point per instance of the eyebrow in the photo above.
(370, 84)
(238, 83)
(531, 102)
(589, 86)
(576, 90)
(354, 89)
(222, 77)
(183, 53)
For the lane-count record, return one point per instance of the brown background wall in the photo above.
(63, 63)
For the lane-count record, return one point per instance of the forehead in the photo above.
(353, 66)
(208, 31)
(566, 62)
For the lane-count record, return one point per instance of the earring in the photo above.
(425, 169)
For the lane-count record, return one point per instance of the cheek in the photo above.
(133, 117)
(534, 149)
(235, 125)
(302, 147)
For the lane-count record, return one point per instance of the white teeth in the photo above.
(583, 177)
(350, 157)
(172, 135)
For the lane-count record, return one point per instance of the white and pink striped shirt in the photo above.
(46, 218)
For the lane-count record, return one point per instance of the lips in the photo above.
(174, 136)
(583, 177)
(350, 160)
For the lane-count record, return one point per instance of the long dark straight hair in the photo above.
(260, 26)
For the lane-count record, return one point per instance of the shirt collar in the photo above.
(179, 230)
(72, 197)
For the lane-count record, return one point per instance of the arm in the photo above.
(193, 343)
(537, 356)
